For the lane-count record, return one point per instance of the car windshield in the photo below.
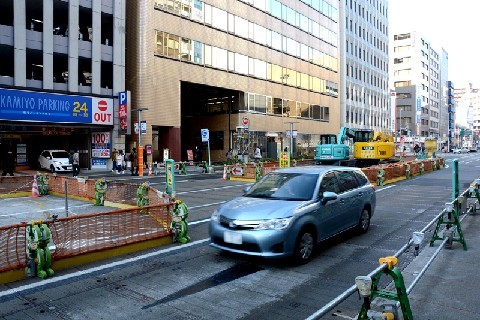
(60, 154)
(285, 186)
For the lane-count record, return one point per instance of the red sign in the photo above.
(245, 121)
(102, 111)
(190, 155)
(237, 171)
(123, 112)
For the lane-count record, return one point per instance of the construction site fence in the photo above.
(392, 171)
(87, 233)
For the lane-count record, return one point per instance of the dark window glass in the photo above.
(361, 178)
(329, 183)
(347, 180)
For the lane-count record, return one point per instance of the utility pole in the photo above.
(291, 136)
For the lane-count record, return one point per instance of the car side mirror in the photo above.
(328, 196)
(245, 190)
(49, 158)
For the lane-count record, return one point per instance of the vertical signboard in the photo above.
(284, 159)
(124, 112)
(101, 145)
(170, 177)
(393, 110)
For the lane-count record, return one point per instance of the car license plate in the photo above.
(232, 237)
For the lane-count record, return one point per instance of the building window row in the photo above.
(187, 50)
(362, 119)
(273, 7)
(296, 19)
(360, 32)
(246, 29)
(377, 23)
(368, 58)
(367, 77)
(268, 105)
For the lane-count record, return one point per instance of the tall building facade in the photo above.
(254, 73)
(467, 121)
(364, 58)
(63, 64)
(417, 81)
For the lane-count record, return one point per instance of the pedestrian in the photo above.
(8, 163)
(76, 163)
(258, 154)
(198, 154)
(229, 156)
(119, 162)
(134, 162)
(285, 149)
(114, 160)
(145, 162)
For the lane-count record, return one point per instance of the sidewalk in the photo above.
(450, 287)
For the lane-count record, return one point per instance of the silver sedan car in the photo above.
(290, 210)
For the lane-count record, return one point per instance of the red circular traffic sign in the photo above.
(245, 121)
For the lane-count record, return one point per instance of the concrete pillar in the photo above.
(118, 46)
(48, 44)
(96, 46)
(73, 24)
(19, 43)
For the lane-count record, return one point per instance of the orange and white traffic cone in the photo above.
(224, 172)
(35, 192)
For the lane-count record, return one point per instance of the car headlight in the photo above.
(275, 224)
(58, 163)
(215, 216)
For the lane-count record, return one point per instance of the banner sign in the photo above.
(123, 111)
(19, 105)
(100, 144)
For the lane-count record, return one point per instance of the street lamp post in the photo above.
(140, 147)
(291, 136)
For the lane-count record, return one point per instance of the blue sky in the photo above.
(452, 25)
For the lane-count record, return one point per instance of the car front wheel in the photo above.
(52, 168)
(364, 222)
(305, 246)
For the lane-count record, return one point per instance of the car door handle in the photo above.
(341, 201)
(360, 194)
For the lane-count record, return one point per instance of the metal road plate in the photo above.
(232, 237)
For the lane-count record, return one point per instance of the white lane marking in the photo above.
(82, 273)
(198, 222)
(45, 210)
(211, 189)
(207, 205)
(387, 187)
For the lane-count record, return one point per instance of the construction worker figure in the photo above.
(39, 256)
(100, 192)
(42, 179)
(142, 194)
(179, 223)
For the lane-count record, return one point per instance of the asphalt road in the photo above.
(196, 281)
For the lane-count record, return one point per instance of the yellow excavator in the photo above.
(371, 147)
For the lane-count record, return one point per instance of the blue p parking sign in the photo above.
(205, 135)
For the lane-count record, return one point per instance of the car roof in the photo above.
(315, 169)
(54, 150)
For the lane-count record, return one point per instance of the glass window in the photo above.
(304, 23)
(241, 27)
(260, 34)
(277, 73)
(186, 8)
(186, 49)
(316, 29)
(269, 37)
(269, 105)
(159, 43)
(208, 55)
(198, 52)
(260, 69)
(172, 46)
(304, 51)
(251, 32)
(291, 16)
(231, 61)
(276, 10)
(231, 23)
(316, 84)
(292, 47)
(208, 14)
(289, 108)
(315, 111)
(241, 63)
(290, 77)
(276, 41)
(251, 66)
(277, 106)
(287, 186)
(329, 183)
(219, 58)
(347, 180)
(260, 103)
(304, 109)
(260, 4)
(361, 178)
(304, 83)
(198, 10)
(220, 20)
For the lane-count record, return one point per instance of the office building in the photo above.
(364, 58)
(63, 63)
(253, 73)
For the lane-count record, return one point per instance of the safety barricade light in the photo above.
(364, 286)
(417, 240)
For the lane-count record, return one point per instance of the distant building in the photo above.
(365, 95)
(418, 84)
(467, 122)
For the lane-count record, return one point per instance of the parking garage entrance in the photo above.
(208, 107)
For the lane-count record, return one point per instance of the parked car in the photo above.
(290, 210)
(461, 150)
(54, 160)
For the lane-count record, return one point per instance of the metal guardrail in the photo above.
(351, 290)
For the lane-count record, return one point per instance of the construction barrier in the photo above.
(87, 233)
